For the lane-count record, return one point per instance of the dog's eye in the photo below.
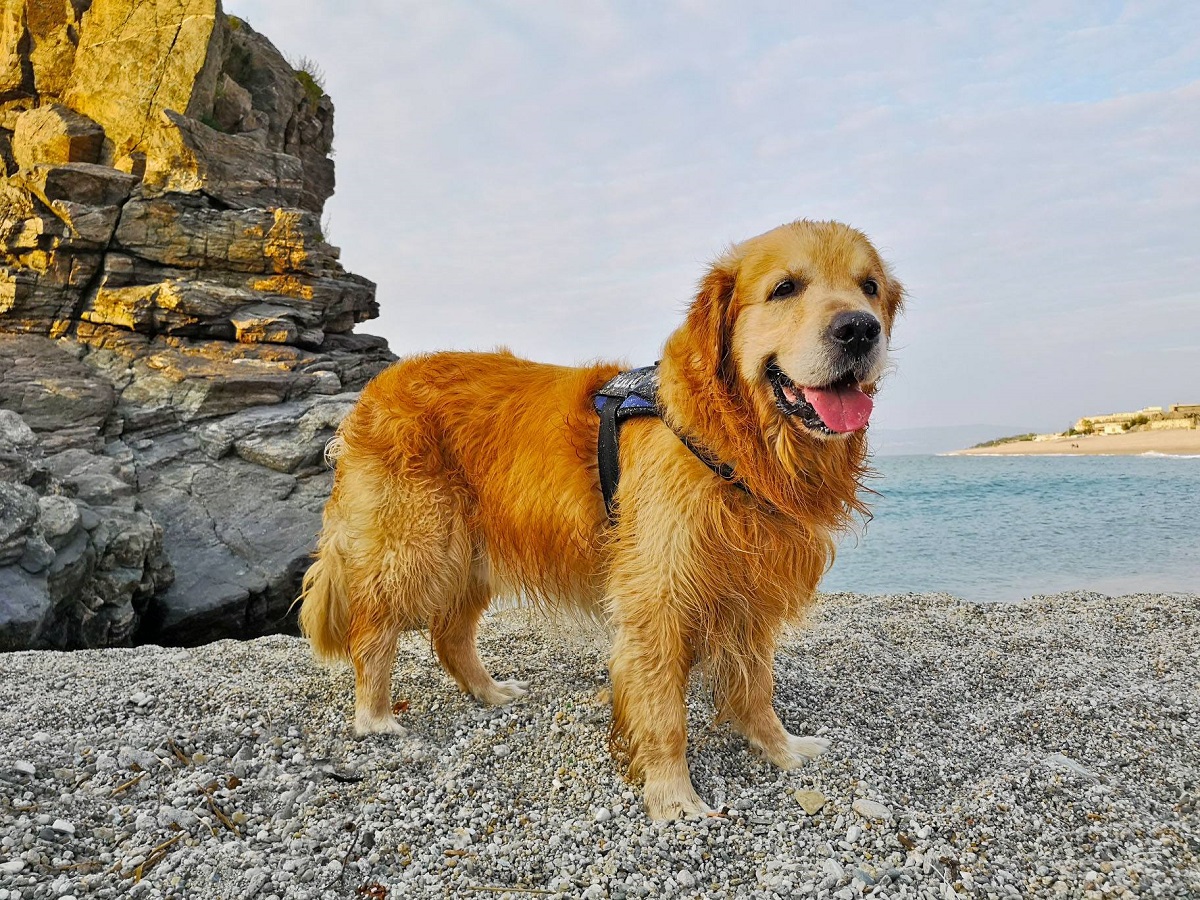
(785, 288)
(870, 287)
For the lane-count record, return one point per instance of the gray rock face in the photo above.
(79, 560)
(152, 507)
(244, 495)
(176, 336)
(58, 397)
(18, 512)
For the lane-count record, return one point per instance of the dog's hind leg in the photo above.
(416, 581)
(454, 631)
(411, 556)
(373, 652)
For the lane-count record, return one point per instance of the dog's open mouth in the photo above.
(837, 408)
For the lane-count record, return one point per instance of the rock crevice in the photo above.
(176, 335)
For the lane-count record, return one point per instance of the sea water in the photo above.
(1002, 528)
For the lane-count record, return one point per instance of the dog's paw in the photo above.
(502, 692)
(663, 807)
(796, 751)
(673, 798)
(365, 724)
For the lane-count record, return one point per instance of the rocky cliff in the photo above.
(176, 335)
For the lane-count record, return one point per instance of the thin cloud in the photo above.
(555, 176)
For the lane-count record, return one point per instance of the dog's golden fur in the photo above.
(462, 476)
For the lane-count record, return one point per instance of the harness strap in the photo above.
(608, 452)
(629, 394)
(723, 470)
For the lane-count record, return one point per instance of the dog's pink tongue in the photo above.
(841, 409)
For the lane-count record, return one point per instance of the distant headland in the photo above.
(1153, 430)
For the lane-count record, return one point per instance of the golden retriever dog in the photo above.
(466, 476)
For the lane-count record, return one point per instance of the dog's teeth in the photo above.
(790, 394)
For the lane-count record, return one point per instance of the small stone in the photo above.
(810, 801)
(853, 833)
(24, 767)
(834, 869)
(501, 750)
(601, 814)
(1059, 761)
(327, 383)
(12, 866)
(38, 554)
(685, 879)
(62, 825)
(59, 517)
(871, 809)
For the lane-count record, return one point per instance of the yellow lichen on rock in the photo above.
(52, 54)
(158, 51)
(287, 285)
(284, 245)
(125, 307)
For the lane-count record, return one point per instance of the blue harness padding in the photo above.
(630, 394)
(628, 405)
(637, 389)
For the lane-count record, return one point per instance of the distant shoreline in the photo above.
(1133, 443)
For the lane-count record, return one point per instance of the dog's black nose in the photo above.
(857, 332)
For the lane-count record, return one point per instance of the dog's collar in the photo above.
(630, 394)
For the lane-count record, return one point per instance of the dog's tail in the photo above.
(325, 607)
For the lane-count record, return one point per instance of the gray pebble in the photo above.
(871, 809)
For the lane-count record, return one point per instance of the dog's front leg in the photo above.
(650, 666)
(744, 689)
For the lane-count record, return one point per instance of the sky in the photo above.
(555, 177)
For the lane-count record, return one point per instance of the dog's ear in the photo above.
(710, 321)
(893, 302)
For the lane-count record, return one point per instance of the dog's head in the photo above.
(796, 322)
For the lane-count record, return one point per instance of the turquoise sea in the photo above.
(1003, 528)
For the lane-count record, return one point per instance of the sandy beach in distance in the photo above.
(1134, 443)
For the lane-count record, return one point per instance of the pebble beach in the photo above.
(1047, 748)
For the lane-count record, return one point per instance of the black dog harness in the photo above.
(630, 394)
